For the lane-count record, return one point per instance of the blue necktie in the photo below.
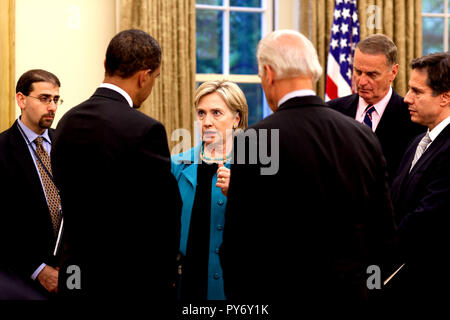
(368, 118)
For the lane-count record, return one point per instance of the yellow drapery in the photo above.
(7, 63)
(172, 24)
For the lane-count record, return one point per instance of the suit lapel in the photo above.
(190, 170)
(404, 175)
(389, 118)
(352, 106)
(346, 105)
(22, 156)
(434, 148)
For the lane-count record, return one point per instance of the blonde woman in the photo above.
(203, 177)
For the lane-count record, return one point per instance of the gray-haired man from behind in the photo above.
(309, 232)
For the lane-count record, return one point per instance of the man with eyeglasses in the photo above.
(30, 211)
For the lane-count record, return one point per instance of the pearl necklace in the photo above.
(214, 160)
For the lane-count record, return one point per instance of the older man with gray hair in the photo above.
(376, 103)
(313, 228)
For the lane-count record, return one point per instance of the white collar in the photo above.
(438, 129)
(30, 134)
(119, 90)
(296, 93)
(381, 105)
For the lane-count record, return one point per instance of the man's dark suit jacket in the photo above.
(309, 232)
(13, 287)
(121, 203)
(395, 129)
(26, 234)
(421, 201)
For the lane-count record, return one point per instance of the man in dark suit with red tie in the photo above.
(376, 103)
(302, 229)
(421, 191)
(30, 207)
(121, 203)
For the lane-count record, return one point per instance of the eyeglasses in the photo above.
(45, 99)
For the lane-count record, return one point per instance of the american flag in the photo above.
(344, 37)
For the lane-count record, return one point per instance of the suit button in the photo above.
(217, 250)
(219, 227)
(220, 202)
(216, 276)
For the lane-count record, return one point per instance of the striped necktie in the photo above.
(53, 200)
(421, 148)
(368, 117)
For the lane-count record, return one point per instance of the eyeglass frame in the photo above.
(47, 99)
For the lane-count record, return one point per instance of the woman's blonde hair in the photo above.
(231, 94)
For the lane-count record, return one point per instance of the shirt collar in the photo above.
(30, 134)
(381, 105)
(119, 90)
(438, 129)
(296, 93)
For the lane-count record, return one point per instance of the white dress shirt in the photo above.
(297, 93)
(437, 130)
(119, 90)
(47, 144)
(380, 107)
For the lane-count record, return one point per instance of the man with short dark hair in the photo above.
(31, 211)
(421, 191)
(121, 202)
(376, 103)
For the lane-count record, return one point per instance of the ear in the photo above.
(20, 98)
(445, 99)
(237, 120)
(270, 74)
(394, 71)
(143, 77)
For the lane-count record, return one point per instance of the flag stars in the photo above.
(335, 28)
(337, 14)
(349, 73)
(334, 43)
(344, 37)
(349, 59)
(346, 13)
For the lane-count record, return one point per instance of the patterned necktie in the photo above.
(368, 118)
(420, 149)
(53, 201)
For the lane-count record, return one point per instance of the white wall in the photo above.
(68, 38)
(287, 15)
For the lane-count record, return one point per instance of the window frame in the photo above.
(267, 10)
(446, 15)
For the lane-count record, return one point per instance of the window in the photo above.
(227, 33)
(435, 25)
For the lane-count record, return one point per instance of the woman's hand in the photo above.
(223, 178)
